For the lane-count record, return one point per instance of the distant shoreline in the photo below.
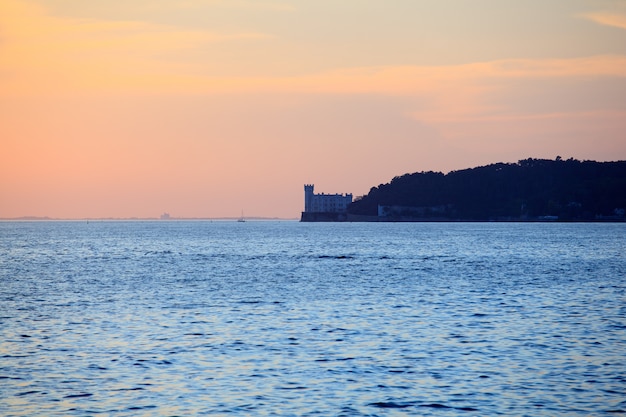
(171, 219)
(261, 219)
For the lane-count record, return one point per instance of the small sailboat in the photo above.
(241, 219)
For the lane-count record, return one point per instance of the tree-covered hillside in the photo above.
(529, 189)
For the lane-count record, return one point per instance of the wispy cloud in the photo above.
(608, 19)
(200, 6)
(245, 4)
(43, 54)
(39, 52)
(606, 13)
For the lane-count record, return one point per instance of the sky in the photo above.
(207, 108)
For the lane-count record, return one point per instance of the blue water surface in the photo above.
(181, 318)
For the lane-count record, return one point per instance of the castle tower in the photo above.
(308, 197)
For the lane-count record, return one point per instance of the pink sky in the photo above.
(204, 108)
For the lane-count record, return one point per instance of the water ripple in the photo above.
(199, 318)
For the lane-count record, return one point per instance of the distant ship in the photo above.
(165, 216)
(241, 219)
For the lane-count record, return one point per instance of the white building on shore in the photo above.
(325, 203)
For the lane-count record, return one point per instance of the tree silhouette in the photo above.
(529, 189)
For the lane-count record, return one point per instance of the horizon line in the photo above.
(47, 218)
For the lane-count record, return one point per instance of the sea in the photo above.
(282, 318)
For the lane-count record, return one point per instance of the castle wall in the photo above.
(324, 207)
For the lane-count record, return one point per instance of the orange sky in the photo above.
(203, 108)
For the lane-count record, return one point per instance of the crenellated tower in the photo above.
(308, 197)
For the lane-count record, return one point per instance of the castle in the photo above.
(324, 207)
